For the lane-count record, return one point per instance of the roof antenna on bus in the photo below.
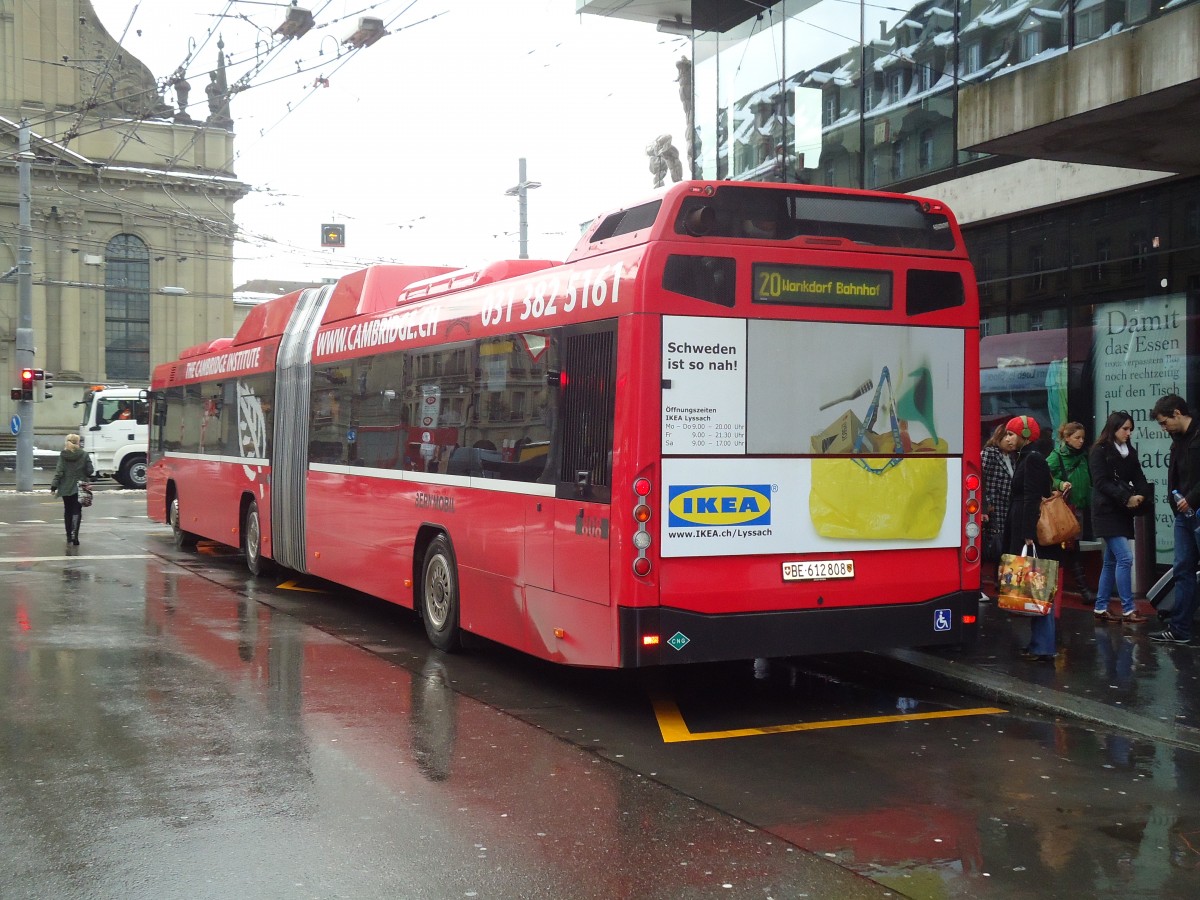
(699, 221)
(857, 392)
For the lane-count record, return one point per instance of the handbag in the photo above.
(1027, 584)
(903, 497)
(1056, 523)
(85, 494)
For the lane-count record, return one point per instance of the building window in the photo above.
(974, 58)
(829, 174)
(926, 77)
(1031, 44)
(896, 85)
(898, 160)
(1103, 255)
(831, 107)
(1037, 263)
(1136, 10)
(925, 157)
(127, 308)
(1138, 248)
(868, 96)
(1089, 20)
(1191, 219)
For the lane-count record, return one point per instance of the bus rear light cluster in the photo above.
(641, 515)
(973, 527)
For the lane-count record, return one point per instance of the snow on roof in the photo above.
(194, 176)
(37, 139)
(997, 14)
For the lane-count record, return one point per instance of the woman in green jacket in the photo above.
(1068, 463)
(74, 466)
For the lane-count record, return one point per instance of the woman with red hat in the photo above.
(1031, 483)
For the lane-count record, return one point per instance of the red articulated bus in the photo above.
(741, 420)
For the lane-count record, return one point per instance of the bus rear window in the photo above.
(627, 221)
(768, 214)
(929, 291)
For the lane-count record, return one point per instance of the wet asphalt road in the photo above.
(166, 736)
(172, 727)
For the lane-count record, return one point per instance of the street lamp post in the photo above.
(520, 192)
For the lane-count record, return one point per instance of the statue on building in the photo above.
(664, 159)
(690, 142)
(217, 90)
(112, 81)
(182, 90)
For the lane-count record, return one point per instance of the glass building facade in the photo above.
(1087, 307)
(857, 94)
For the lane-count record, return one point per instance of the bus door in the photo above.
(585, 437)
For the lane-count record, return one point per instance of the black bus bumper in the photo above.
(689, 637)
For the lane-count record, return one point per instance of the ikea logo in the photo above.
(718, 504)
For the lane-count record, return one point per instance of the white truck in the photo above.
(116, 432)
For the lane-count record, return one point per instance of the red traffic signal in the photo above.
(27, 377)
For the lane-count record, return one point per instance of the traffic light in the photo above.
(333, 235)
(42, 385)
(27, 384)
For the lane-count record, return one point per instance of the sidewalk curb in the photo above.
(1002, 688)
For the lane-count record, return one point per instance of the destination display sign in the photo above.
(818, 286)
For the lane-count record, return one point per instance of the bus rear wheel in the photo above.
(184, 540)
(439, 595)
(252, 542)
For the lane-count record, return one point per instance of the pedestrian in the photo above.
(1031, 483)
(1068, 463)
(74, 466)
(1120, 491)
(997, 464)
(1183, 489)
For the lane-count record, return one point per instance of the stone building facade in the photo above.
(131, 206)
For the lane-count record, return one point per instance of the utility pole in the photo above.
(24, 471)
(520, 191)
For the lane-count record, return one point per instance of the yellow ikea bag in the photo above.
(904, 501)
(878, 498)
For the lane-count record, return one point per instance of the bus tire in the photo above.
(439, 595)
(184, 540)
(133, 473)
(252, 542)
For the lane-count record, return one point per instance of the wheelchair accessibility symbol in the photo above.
(941, 620)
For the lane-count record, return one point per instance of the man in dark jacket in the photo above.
(1183, 475)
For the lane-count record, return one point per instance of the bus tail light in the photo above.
(973, 524)
(641, 515)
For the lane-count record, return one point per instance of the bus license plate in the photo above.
(818, 570)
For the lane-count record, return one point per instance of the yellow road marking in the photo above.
(674, 729)
(293, 586)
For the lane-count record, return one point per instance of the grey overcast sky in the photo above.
(416, 138)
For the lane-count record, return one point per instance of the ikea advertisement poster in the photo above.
(801, 437)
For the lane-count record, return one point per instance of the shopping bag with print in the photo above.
(1027, 584)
